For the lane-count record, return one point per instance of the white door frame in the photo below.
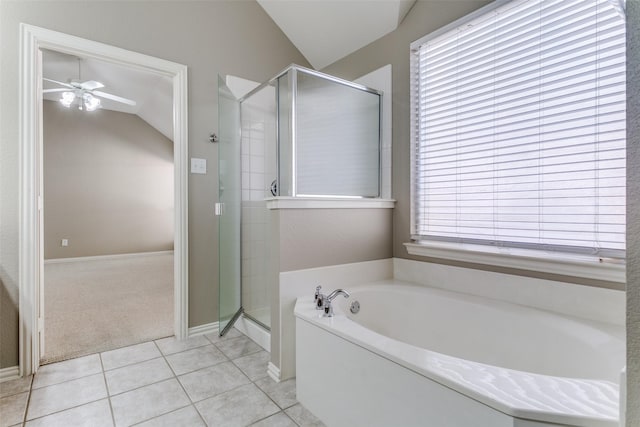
(32, 39)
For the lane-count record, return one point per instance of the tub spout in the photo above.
(337, 292)
(328, 307)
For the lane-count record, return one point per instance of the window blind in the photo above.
(519, 128)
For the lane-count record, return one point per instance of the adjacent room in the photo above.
(108, 207)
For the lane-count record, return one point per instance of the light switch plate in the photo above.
(198, 165)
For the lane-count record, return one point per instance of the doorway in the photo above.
(107, 206)
(33, 41)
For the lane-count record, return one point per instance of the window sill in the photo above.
(328, 203)
(524, 259)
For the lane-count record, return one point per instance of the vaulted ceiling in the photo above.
(327, 30)
(324, 31)
(152, 93)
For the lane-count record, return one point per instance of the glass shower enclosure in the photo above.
(228, 208)
(302, 134)
(328, 136)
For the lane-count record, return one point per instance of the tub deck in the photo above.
(521, 395)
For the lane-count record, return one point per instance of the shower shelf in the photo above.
(328, 203)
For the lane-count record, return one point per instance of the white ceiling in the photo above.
(325, 31)
(153, 93)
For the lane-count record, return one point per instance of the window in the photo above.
(519, 128)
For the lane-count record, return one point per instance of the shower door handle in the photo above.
(219, 209)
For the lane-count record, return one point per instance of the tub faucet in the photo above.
(328, 308)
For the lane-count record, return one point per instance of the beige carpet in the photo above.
(93, 306)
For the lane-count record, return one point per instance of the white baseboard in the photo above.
(105, 257)
(10, 373)
(254, 331)
(207, 328)
(274, 372)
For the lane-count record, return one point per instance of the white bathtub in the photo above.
(419, 356)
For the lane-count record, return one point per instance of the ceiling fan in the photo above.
(85, 92)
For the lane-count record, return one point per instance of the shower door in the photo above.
(228, 208)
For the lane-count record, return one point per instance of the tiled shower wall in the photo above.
(258, 171)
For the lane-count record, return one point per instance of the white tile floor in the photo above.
(203, 381)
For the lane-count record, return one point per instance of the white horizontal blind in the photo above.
(519, 128)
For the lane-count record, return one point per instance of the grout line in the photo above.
(104, 374)
(291, 418)
(206, 338)
(186, 349)
(179, 383)
(174, 373)
(274, 402)
(242, 355)
(269, 416)
(219, 394)
(18, 392)
(163, 356)
(291, 406)
(200, 415)
(174, 376)
(162, 415)
(68, 380)
(147, 385)
(229, 360)
(142, 386)
(66, 409)
(199, 369)
(269, 397)
(133, 363)
(26, 407)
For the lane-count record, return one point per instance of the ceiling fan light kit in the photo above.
(84, 92)
(90, 102)
(86, 101)
(67, 99)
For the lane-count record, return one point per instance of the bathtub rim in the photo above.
(409, 357)
(599, 327)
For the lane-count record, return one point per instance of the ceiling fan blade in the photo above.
(58, 83)
(61, 89)
(91, 85)
(114, 97)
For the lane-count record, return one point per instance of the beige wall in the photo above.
(320, 237)
(633, 213)
(211, 38)
(310, 238)
(108, 184)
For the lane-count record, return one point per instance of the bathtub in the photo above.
(419, 356)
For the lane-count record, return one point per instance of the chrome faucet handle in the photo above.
(319, 298)
(328, 310)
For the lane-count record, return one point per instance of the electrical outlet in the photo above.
(64, 242)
